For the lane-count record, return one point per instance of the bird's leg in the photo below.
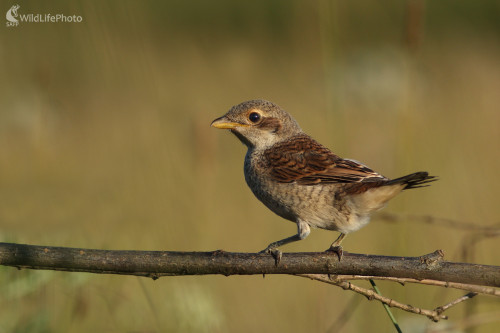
(303, 231)
(336, 248)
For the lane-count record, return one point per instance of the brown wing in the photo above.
(307, 162)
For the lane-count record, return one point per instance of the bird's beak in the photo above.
(223, 123)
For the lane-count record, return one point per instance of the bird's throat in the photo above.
(242, 138)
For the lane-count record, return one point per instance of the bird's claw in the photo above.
(337, 250)
(277, 254)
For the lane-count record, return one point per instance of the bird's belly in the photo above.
(315, 205)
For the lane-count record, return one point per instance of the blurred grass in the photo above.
(105, 142)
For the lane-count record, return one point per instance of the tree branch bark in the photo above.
(167, 263)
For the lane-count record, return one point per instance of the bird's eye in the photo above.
(254, 117)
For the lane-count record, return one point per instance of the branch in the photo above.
(445, 307)
(434, 315)
(462, 286)
(165, 263)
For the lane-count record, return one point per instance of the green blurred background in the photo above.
(105, 142)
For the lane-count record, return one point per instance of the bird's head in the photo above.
(258, 123)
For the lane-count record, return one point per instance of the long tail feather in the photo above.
(414, 180)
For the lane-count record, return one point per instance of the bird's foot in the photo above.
(277, 254)
(338, 250)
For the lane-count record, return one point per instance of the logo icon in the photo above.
(12, 15)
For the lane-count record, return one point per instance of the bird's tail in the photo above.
(414, 180)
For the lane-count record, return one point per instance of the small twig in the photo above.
(370, 295)
(445, 307)
(462, 286)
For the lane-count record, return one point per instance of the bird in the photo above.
(303, 181)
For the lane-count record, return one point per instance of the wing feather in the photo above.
(307, 162)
